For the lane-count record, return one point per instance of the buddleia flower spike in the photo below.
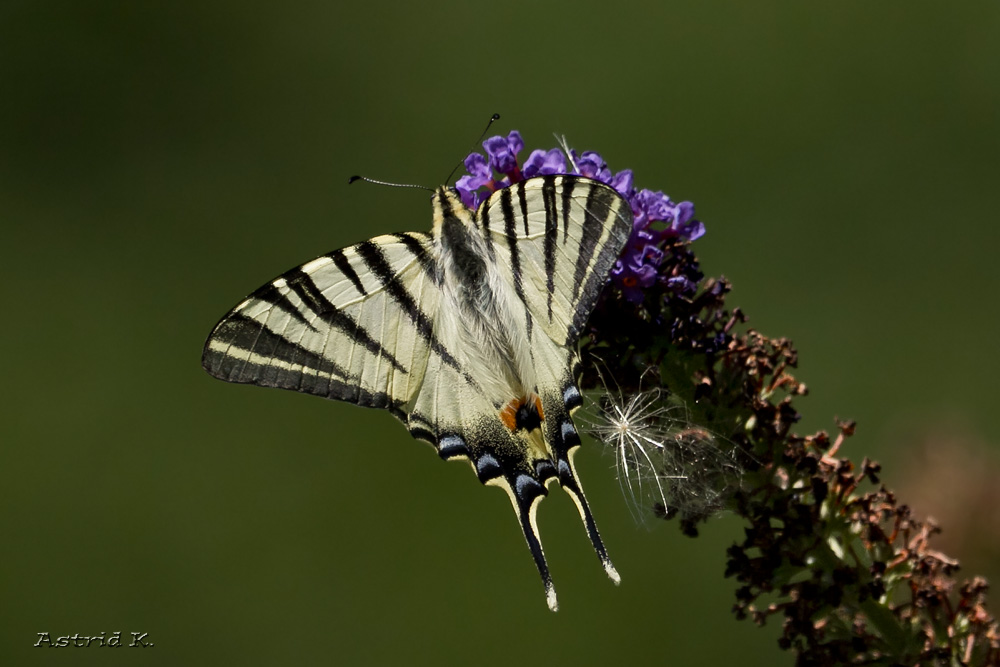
(702, 418)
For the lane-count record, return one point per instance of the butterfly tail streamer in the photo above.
(525, 497)
(525, 486)
(564, 440)
(571, 485)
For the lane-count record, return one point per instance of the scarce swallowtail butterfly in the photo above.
(466, 334)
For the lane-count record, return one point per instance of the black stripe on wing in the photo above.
(341, 262)
(305, 287)
(510, 232)
(251, 337)
(596, 213)
(551, 237)
(271, 294)
(567, 186)
(573, 267)
(591, 272)
(243, 350)
(418, 248)
(522, 200)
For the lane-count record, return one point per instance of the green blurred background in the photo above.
(159, 160)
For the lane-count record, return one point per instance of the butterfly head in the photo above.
(447, 200)
(453, 223)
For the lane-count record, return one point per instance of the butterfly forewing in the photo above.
(331, 327)
(556, 238)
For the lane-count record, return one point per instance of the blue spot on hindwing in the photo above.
(571, 397)
(565, 472)
(488, 468)
(544, 469)
(569, 434)
(451, 446)
(528, 488)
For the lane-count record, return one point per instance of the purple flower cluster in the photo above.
(658, 221)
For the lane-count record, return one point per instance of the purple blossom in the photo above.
(622, 182)
(684, 224)
(543, 163)
(501, 157)
(648, 206)
(658, 222)
(681, 284)
(592, 165)
(503, 152)
(479, 175)
(633, 278)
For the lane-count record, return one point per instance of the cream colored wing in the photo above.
(355, 325)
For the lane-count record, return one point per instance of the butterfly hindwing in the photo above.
(463, 425)
(555, 239)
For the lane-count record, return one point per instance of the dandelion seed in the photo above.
(664, 462)
(631, 428)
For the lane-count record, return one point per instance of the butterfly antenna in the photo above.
(392, 185)
(494, 118)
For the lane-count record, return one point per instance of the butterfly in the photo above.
(466, 334)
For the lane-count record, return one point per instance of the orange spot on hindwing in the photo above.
(509, 414)
(538, 407)
(523, 413)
